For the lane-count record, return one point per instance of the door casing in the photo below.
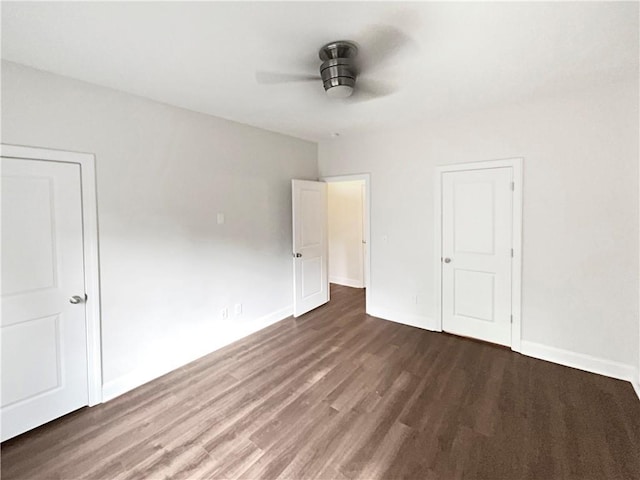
(516, 264)
(91, 253)
(367, 220)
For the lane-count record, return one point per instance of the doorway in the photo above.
(347, 261)
(51, 360)
(348, 199)
(478, 250)
(347, 244)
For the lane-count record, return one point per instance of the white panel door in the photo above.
(42, 334)
(310, 276)
(476, 253)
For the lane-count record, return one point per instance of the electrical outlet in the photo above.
(224, 313)
(238, 309)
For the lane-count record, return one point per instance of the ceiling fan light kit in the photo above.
(338, 69)
(338, 72)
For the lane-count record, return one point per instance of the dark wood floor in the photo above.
(337, 394)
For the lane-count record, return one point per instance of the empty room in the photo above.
(320, 240)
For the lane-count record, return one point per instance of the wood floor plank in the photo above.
(337, 394)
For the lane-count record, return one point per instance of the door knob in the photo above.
(447, 260)
(297, 255)
(76, 299)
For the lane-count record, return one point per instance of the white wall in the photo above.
(580, 272)
(167, 268)
(346, 213)
(163, 173)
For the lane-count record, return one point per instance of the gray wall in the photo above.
(163, 173)
(580, 272)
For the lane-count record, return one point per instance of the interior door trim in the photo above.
(516, 265)
(366, 177)
(91, 252)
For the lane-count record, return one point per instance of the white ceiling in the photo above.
(203, 56)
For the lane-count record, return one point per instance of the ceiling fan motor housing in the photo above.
(338, 69)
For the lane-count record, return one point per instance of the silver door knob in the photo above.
(76, 299)
(447, 260)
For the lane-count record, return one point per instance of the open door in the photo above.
(310, 276)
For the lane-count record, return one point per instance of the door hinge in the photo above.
(511, 318)
(513, 186)
(512, 253)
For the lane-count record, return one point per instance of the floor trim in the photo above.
(138, 377)
(636, 387)
(346, 282)
(348, 395)
(588, 363)
(411, 319)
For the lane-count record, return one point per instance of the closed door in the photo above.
(43, 331)
(310, 245)
(477, 253)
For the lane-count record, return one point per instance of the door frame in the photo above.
(367, 228)
(516, 265)
(91, 252)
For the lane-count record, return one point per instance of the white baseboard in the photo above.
(140, 376)
(347, 282)
(164, 365)
(588, 363)
(274, 317)
(411, 319)
(636, 387)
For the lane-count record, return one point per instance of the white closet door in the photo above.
(476, 251)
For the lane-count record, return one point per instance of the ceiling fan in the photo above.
(342, 64)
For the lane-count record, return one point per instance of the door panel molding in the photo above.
(310, 245)
(90, 253)
(516, 264)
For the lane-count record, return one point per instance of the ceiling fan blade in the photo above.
(380, 43)
(367, 90)
(271, 78)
